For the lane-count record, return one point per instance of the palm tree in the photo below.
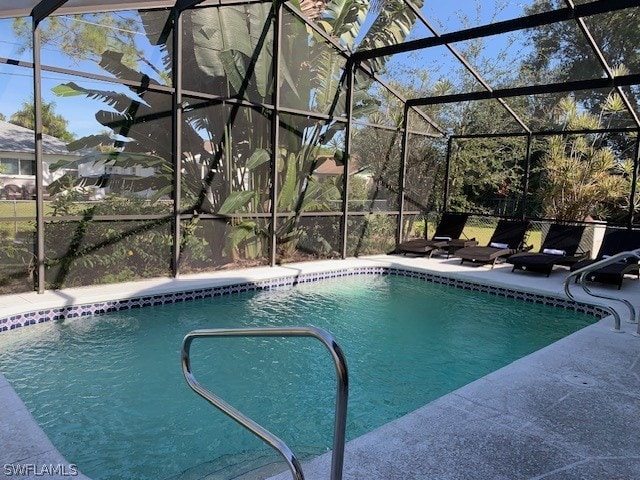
(52, 123)
(580, 175)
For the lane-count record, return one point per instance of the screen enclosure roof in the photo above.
(440, 38)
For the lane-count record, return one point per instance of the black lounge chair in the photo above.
(507, 239)
(449, 228)
(614, 241)
(560, 247)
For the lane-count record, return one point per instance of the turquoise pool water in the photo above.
(109, 393)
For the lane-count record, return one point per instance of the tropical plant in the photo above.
(581, 176)
(626, 168)
(228, 52)
(52, 123)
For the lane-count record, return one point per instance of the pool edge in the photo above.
(216, 286)
(294, 273)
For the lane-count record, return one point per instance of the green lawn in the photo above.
(20, 209)
(483, 233)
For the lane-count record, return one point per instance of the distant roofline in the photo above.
(14, 138)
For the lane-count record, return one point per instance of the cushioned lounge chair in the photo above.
(507, 239)
(614, 241)
(449, 228)
(559, 247)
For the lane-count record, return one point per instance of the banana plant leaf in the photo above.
(118, 101)
(235, 202)
(89, 141)
(242, 231)
(118, 159)
(261, 33)
(288, 188)
(259, 157)
(344, 18)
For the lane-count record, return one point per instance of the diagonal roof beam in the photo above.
(369, 71)
(45, 8)
(563, 87)
(521, 23)
(341, 48)
(182, 5)
(348, 54)
(466, 64)
(20, 8)
(603, 61)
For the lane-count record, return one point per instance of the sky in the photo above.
(16, 84)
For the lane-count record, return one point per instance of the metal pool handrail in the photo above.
(339, 360)
(582, 274)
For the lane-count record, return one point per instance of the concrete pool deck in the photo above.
(568, 411)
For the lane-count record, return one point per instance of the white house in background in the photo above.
(18, 170)
(17, 158)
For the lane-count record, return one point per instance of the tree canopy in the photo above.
(52, 123)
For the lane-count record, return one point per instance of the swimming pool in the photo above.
(109, 393)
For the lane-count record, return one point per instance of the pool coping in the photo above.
(89, 300)
(132, 301)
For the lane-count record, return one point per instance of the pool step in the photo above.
(251, 465)
(245, 465)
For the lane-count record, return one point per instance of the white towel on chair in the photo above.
(554, 251)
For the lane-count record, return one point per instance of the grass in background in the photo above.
(18, 208)
(482, 233)
(9, 209)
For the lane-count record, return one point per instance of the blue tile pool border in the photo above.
(18, 320)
